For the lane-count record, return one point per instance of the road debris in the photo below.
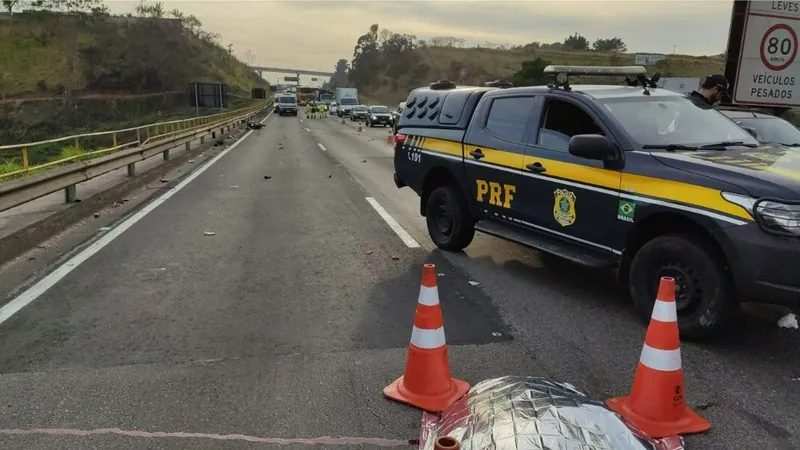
(267, 177)
(234, 187)
(474, 283)
(209, 233)
(788, 321)
(191, 161)
(164, 180)
(104, 229)
(368, 252)
(96, 215)
(395, 257)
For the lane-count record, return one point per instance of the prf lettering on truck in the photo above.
(499, 194)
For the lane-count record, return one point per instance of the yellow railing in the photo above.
(107, 141)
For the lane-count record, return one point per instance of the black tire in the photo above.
(449, 222)
(704, 292)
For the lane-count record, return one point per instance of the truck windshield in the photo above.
(379, 109)
(348, 102)
(287, 100)
(773, 130)
(674, 120)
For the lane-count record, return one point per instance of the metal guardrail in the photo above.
(116, 139)
(27, 188)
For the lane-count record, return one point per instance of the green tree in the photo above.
(531, 74)
(10, 4)
(576, 42)
(366, 57)
(609, 45)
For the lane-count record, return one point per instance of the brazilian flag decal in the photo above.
(626, 210)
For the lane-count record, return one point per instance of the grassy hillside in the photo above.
(90, 72)
(48, 53)
(477, 65)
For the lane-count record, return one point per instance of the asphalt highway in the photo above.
(266, 297)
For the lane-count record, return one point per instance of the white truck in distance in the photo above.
(346, 98)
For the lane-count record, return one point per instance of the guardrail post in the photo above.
(114, 139)
(165, 154)
(202, 139)
(70, 194)
(188, 146)
(77, 147)
(139, 136)
(25, 164)
(131, 169)
(213, 135)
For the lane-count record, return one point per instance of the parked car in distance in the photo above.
(379, 115)
(286, 105)
(333, 109)
(769, 129)
(359, 112)
(396, 115)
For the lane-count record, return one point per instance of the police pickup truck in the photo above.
(630, 177)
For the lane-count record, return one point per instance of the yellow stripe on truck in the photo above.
(659, 188)
(689, 194)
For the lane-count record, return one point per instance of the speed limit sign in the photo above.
(779, 47)
(769, 69)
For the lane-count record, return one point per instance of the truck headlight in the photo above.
(774, 216)
(778, 217)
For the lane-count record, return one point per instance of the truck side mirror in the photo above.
(591, 146)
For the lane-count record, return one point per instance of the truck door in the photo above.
(575, 198)
(494, 149)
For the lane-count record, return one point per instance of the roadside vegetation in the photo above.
(385, 65)
(68, 66)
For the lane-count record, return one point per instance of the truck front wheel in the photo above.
(704, 294)
(449, 223)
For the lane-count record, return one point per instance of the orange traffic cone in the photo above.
(426, 382)
(390, 138)
(657, 404)
(360, 129)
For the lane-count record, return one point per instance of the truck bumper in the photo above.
(398, 182)
(763, 266)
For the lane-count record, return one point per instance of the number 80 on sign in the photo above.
(779, 47)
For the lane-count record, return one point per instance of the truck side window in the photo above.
(508, 118)
(562, 120)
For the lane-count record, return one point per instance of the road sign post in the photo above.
(768, 72)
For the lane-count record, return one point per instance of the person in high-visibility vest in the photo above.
(323, 114)
(313, 109)
(308, 110)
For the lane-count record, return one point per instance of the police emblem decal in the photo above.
(564, 207)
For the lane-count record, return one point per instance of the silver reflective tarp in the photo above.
(528, 413)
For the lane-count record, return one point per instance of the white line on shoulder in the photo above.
(322, 147)
(403, 234)
(43, 285)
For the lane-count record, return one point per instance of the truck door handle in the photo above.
(536, 167)
(477, 153)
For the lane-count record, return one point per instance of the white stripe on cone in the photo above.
(665, 311)
(428, 296)
(663, 360)
(428, 339)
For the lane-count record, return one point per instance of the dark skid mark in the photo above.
(470, 317)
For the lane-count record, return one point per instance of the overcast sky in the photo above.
(313, 35)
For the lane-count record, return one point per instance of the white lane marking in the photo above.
(403, 234)
(322, 147)
(43, 285)
(301, 120)
(307, 130)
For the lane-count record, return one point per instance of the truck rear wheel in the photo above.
(704, 294)
(449, 223)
